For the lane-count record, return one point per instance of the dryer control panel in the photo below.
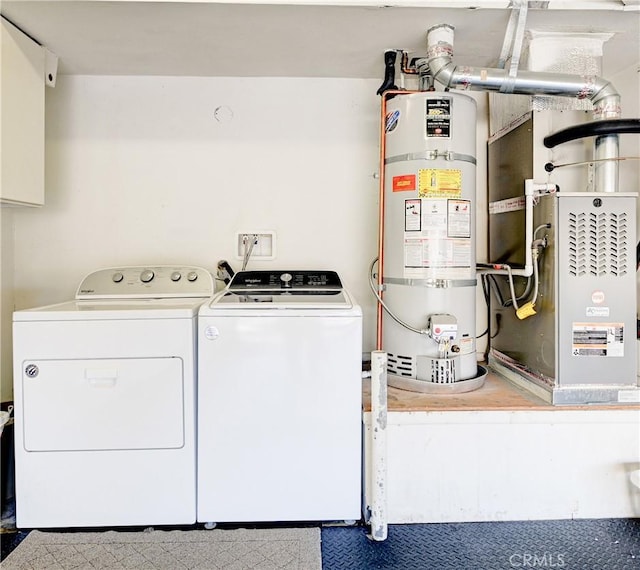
(144, 282)
(289, 280)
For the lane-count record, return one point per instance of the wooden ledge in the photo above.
(497, 394)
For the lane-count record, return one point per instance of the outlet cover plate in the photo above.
(265, 249)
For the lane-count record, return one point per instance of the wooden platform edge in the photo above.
(498, 393)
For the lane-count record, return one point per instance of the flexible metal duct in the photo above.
(606, 100)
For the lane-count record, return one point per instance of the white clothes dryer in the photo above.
(104, 393)
(280, 400)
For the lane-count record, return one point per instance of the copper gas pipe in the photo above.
(404, 62)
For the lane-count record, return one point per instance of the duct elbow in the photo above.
(442, 70)
(606, 101)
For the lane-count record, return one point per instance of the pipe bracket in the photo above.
(431, 155)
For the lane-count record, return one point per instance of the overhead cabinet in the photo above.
(22, 85)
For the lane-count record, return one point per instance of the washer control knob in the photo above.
(117, 277)
(286, 279)
(176, 276)
(146, 276)
(192, 275)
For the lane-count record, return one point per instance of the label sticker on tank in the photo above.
(404, 183)
(598, 339)
(434, 218)
(391, 120)
(422, 253)
(412, 215)
(459, 218)
(439, 182)
(467, 345)
(430, 251)
(438, 119)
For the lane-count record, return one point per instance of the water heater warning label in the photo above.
(437, 238)
(439, 183)
(412, 215)
(598, 339)
(404, 183)
(433, 253)
(459, 218)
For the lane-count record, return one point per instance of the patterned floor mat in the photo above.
(239, 549)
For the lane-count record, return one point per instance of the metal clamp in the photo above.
(435, 283)
(431, 155)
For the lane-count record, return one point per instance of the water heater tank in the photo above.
(429, 264)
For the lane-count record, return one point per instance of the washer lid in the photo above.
(117, 309)
(282, 300)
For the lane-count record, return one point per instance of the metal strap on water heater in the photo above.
(431, 155)
(436, 283)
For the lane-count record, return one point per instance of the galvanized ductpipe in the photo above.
(605, 98)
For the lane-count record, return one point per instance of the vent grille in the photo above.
(399, 365)
(598, 244)
(443, 370)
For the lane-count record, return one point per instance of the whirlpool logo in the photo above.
(537, 560)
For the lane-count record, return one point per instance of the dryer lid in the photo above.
(117, 309)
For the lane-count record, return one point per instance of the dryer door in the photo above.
(103, 404)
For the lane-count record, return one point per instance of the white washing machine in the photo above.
(280, 400)
(104, 390)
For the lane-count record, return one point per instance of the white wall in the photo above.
(140, 171)
(6, 303)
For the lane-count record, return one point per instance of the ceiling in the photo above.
(202, 38)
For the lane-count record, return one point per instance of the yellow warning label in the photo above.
(439, 183)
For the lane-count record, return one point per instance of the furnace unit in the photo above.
(580, 345)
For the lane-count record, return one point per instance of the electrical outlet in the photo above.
(264, 244)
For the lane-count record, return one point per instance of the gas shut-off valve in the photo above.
(443, 328)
